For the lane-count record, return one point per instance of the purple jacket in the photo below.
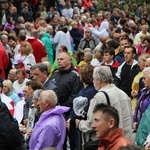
(50, 130)
(142, 104)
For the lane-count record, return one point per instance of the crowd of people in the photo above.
(74, 77)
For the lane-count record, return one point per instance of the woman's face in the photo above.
(6, 90)
(35, 102)
(31, 91)
(23, 49)
(20, 76)
(146, 44)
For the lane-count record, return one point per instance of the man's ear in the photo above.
(111, 123)
(47, 103)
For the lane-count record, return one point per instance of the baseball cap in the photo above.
(16, 62)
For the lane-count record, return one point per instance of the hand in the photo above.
(68, 123)
(29, 132)
(25, 122)
(135, 126)
(134, 93)
(77, 122)
(147, 147)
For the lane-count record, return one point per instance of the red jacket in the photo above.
(38, 49)
(114, 142)
(4, 62)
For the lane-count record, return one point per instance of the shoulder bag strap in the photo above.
(107, 97)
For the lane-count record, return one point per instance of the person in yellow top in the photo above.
(86, 59)
(135, 84)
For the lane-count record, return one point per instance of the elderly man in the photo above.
(105, 123)
(102, 78)
(50, 130)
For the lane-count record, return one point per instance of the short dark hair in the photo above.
(109, 111)
(111, 51)
(112, 43)
(133, 49)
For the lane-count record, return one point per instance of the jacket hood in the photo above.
(46, 35)
(57, 110)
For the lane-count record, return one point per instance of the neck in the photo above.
(109, 62)
(129, 62)
(21, 81)
(85, 85)
(103, 85)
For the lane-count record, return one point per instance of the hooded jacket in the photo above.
(50, 130)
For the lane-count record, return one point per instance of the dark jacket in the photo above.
(68, 83)
(119, 57)
(77, 36)
(126, 85)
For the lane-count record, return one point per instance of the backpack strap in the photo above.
(107, 97)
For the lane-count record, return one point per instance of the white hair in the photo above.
(104, 73)
(49, 95)
(147, 69)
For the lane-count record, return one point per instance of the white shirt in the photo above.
(19, 87)
(28, 60)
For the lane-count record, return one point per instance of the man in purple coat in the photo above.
(50, 130)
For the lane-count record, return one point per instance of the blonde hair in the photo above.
(144, 57)
(28, 46)
(8, 84)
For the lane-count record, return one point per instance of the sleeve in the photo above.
(46, 138)
(117, 77)
(80, 45)
(26, 108)
(137, 39)
(76, 87)
(56, 38)
(85, 125)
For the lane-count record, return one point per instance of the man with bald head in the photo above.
(50, 130)
(66, 79)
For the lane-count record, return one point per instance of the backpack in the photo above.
(10, 136)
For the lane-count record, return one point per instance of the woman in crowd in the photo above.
(21, 81)
(9, 25)
(135, 85)
(8, 91)
(34, 88)
(26, 55)
(88, 91)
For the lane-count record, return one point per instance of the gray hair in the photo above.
(48, 27)
(49, 95)
(147, 69)
(104, 73)
(36, 94)
(4, 36)
(89, 54)
(41, 66)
